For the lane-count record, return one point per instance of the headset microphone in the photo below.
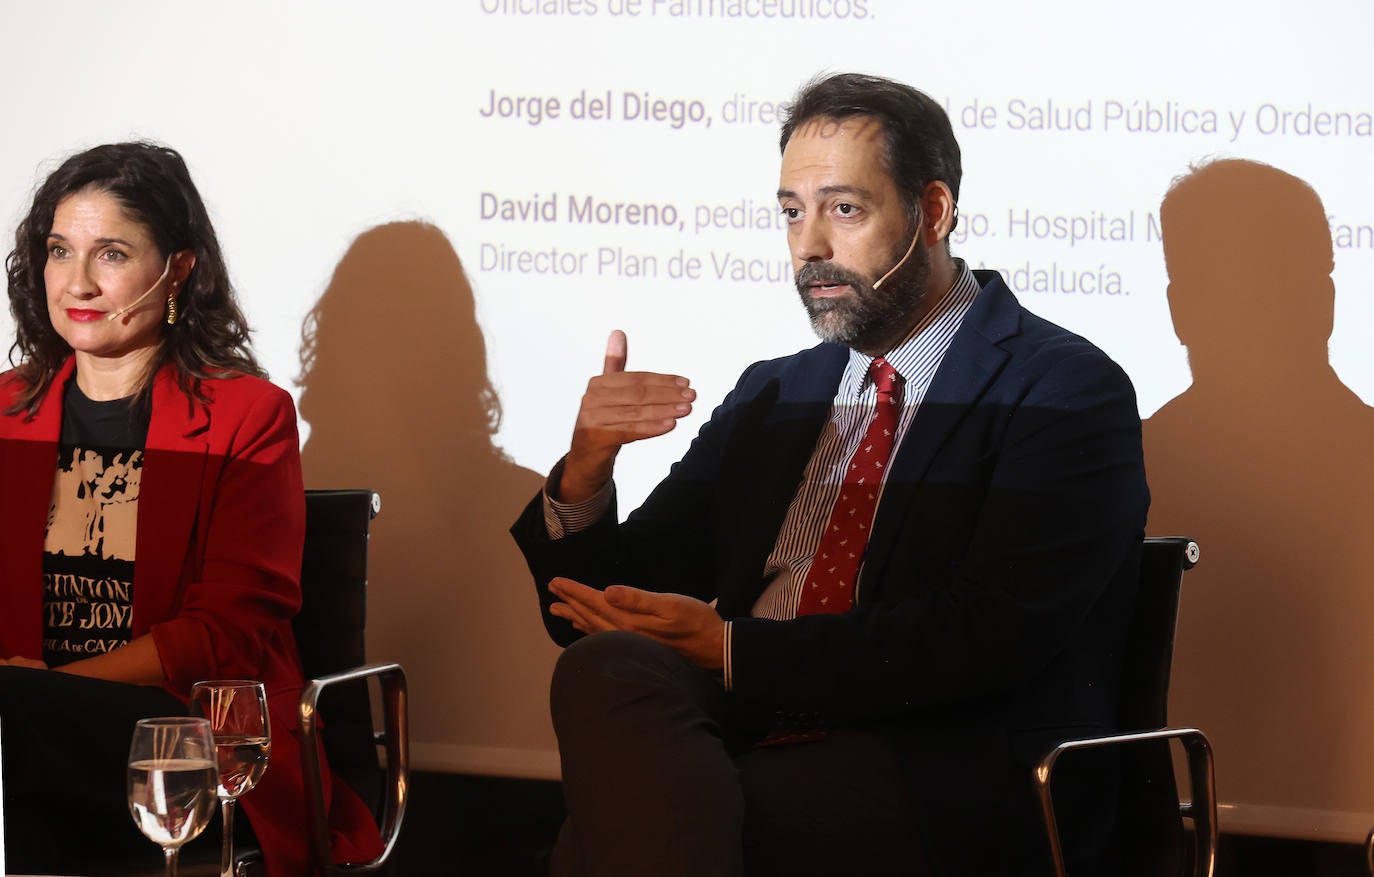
(156, 283)
(911, 249)
(893, 270)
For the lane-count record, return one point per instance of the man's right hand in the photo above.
(619, 407)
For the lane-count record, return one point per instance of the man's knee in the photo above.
(589, 656)
(593, 673)
(624, 678)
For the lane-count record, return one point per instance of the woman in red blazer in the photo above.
(152, 515)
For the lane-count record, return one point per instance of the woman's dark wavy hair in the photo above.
(153, 185)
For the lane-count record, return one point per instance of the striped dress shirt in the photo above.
(916, 359)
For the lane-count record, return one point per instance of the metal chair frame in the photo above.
(395, 738)
(1202, 809)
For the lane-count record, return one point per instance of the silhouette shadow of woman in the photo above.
(1265, 461)
(395, 389)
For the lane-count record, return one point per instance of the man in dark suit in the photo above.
(889, 573)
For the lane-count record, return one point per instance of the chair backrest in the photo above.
(1152, 841)
(1150, 642)
(330, 628)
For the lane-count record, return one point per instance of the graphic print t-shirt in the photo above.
(88, 555)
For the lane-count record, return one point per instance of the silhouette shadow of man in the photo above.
(1265, 461)
(396, 391)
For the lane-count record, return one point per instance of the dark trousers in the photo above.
(65, 742)
(657, 782)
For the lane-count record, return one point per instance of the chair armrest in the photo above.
(1202, 809)
(395, 737)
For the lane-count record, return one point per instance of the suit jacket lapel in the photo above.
(973, 361)
(794, 425)
(169, 498)
(796, 409)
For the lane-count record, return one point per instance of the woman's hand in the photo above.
(21, 661)
(136, 663)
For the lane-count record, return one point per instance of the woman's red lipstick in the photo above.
(84, 315)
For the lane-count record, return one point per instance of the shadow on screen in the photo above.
(1266, 461)
(396, 391)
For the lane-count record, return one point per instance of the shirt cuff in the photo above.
(564, 518)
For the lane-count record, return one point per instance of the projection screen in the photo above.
(434, 213)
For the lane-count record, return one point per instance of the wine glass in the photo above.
(237, 712)
(172, 779)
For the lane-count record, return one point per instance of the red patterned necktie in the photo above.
(829, 586)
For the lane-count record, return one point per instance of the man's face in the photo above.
(847, 227)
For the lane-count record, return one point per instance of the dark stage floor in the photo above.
(478, 826)
(493, 827)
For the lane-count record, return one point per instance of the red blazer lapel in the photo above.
(170, 496)
(28, 464)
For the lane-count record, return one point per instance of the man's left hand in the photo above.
(685, 624)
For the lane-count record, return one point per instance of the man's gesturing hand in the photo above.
(683, 623)
(619, 407)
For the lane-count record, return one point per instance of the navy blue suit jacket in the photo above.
(996, 589)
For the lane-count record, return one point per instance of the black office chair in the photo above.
(330, 637)
(1150, 836)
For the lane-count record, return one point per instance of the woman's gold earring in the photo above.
(171, 310)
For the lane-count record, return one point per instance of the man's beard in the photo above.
(865, 318)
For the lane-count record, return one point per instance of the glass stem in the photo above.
(170, 854)
(226, 859)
